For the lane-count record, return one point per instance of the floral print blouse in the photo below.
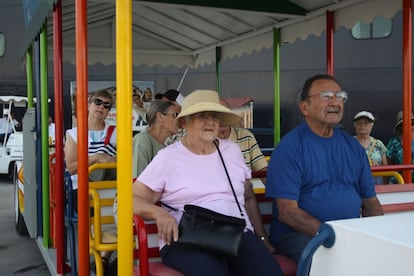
(395, 153)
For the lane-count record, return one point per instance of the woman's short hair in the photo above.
(104, 93)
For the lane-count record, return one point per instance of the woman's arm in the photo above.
(145, 204)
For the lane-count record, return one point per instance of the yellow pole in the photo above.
(124, 133)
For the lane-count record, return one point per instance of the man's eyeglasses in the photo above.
(204, 116)
(99, 102)
(173, 114)
(327, 96)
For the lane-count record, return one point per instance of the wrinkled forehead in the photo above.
(325, 85)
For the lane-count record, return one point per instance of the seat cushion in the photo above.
(159, 269)
(287, 265)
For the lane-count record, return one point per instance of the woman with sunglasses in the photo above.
(100, 148)
(101, 145)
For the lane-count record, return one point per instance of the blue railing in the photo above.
(325, 237)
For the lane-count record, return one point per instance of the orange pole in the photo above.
(82, 124)
(407, 85)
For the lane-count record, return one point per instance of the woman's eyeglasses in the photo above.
(99, 102)
(173, 114)
(327, 96)
(204, 116)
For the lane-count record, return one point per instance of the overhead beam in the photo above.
(282, 6)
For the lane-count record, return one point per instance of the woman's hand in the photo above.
(269, 246)
(101, 158)
(167, 226)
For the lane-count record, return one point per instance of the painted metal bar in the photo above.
(330, 42)
(82, 124)
(182, 78)
(44, 138)
(29, 76)
(385, 168)
(58, 107)
(124, 137)
(407, 86)
(38, 164)
(218, 69)
(276, 98)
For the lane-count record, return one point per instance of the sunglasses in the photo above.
(99, 102)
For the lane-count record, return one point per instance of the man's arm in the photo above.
(371, 207)
(298, 219)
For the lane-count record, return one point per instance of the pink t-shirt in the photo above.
(187, 178)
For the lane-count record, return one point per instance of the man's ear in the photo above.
(304, 107)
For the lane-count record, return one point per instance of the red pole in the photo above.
(58, 107)
(82, 124)
(330, 42)
(407, 85)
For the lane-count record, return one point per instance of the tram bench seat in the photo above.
(147, 254)
(396, 198)
(102, 230)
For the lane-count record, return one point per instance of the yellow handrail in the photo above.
(396, 174)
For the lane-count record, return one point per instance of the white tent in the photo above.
(171, 32)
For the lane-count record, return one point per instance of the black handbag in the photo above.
(201, 228)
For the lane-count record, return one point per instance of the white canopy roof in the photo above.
(169, 32)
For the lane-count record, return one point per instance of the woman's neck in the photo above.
(159, 134)
(199, 147)
(96, 125)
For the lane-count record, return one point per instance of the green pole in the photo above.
(218, 69)
(276, 71)
(29, 77)
(44, 135)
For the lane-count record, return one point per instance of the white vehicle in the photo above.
(12, 148)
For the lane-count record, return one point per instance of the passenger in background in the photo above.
(375, 148)
(395, 145)
(253, 156)
(101, 146)
(317, 172)
(139, 113)
(173, 96)
(147, 97)
(190, 172)
(146, 144)
(101, 137)
(255, 161)
(177, 98)
(52, 136)
(158, 96)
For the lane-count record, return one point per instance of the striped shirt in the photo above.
(253, 156)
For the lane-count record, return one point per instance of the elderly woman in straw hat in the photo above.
(190, 171)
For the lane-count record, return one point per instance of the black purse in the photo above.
(201, 228)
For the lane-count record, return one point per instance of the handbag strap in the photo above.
(228, 177)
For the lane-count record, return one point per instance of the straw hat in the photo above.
(400, 120)
(365, 114)
(207, 100)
